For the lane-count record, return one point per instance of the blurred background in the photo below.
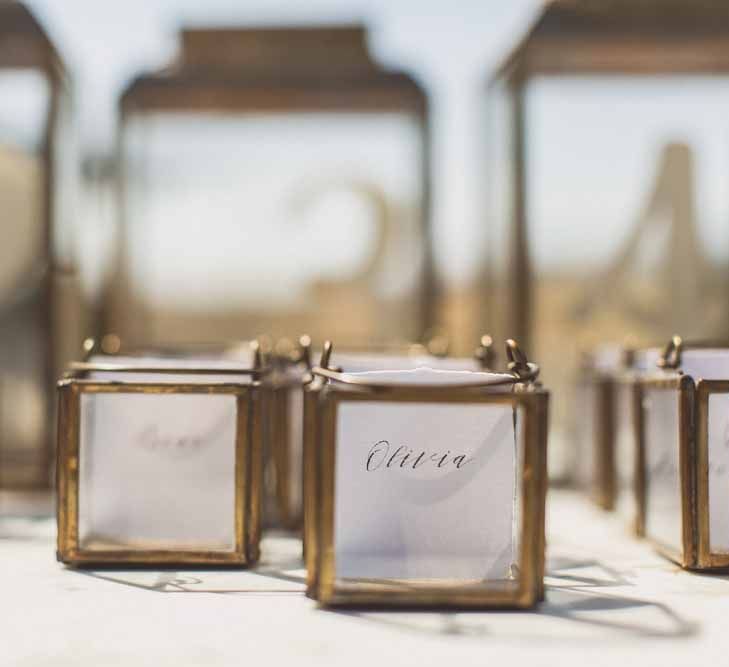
(174, 171)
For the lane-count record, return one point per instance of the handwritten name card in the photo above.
(425, 491)
(157, 470)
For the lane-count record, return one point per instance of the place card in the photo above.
(159, 461)
(425, 486)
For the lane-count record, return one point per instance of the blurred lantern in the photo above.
(609, 218)
(40, 316)
(272, 180)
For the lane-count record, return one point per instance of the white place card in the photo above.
(157, 471)
(426, 490)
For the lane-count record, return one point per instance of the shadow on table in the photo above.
(286, 577)
(575, 608)
(280, 571)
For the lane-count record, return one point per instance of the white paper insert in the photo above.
(719, 473)
(157, 471)
(706, 364)
(663, 485)
(625, 449)
(426, 490)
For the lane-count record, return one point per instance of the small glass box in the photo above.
(608, 429)
(159, 462)
(685, 431)
(425, 487)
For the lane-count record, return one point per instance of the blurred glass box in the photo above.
(273, 180)
(608, 216)
(608, 427)
(160, 462)
(598, 415)
(685, 451)
(393, 456)
(627, 432)
(40, 297)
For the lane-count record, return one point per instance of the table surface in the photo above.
(609, 599)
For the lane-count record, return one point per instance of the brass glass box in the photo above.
(684, 427)
(595, 465)
(627, 432)
(607, 199)
(40, 297)
(609, 428)
(256, 154)
(425, 487)
(160, 462)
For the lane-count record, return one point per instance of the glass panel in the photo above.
(428, 492)
(295, 437)
(171, 363)
(719, 473)
(24, 104)
(663, 484)
(157, 471)
(242, 223)
(706, 363)
(352, 362)
(585, 462)
(625, 448)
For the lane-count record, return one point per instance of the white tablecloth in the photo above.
(610, 601)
